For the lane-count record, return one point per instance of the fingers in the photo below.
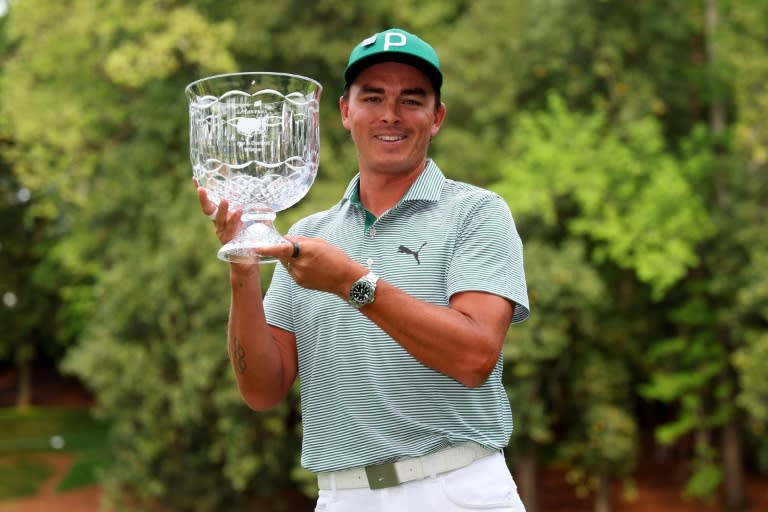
(227, 222)
(209, 207)
(217, 213)
(288, 254)
(283, 251)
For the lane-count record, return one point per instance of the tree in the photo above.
(29, 300)
(539, 353)
(577, 180)
(717, 331)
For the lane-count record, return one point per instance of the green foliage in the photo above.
(706, 474)
(743, 39)
(22, 476)
(625, 188)
(552, 360)
(604, 440)
(750, 362)
(687, 372)
(156, 44)
(29, 293)
(559, 285)
(608, 448)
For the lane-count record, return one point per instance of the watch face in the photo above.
(361, 292)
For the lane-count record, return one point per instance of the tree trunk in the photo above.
(527, 466)
(24, 393)
(604, 494)
(735, 498)
(717, 118)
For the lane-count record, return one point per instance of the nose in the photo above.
(391, 111)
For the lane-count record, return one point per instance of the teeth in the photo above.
(390, 138)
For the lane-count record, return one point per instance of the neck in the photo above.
(380, 192)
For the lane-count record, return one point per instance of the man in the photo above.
(391, 309)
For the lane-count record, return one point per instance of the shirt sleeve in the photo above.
(489, 255)
(278, 300)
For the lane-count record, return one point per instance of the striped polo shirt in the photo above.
(364, 399)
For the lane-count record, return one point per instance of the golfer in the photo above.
(390, 308)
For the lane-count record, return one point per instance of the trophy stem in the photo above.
(258, 231)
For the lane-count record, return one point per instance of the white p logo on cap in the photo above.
(394, 39)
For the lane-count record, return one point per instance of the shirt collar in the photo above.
(427, 186)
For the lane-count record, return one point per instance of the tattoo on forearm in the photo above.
(239, 357)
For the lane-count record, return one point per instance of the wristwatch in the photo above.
(363, 290)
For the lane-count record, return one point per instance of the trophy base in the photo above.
(243, 248)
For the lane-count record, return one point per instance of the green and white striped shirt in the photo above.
(364, 399)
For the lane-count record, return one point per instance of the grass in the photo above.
(23, 476)
(28, 435)
(83, 471)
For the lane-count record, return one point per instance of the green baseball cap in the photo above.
(394, 45)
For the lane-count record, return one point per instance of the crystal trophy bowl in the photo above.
(254, 140)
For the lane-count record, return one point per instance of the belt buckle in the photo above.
(382, 476)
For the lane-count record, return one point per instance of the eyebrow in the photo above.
(410, 91)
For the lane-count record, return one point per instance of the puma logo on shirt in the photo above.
(405, 250)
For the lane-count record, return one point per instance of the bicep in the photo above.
(489, 314)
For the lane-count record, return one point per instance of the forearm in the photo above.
(258, 362)
(462, 341)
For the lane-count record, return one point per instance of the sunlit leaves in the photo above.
(155, 51)
(631, 196)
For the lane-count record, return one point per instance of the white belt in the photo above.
(405, 470)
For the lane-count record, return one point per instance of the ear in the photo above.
(439, 118)
(344, 110)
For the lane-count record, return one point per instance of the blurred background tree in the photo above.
(627, 137)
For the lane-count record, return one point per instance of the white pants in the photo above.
(486, 484)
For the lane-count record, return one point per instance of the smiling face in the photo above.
(391, 113)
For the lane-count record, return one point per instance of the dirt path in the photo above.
(82, 500)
